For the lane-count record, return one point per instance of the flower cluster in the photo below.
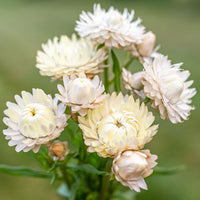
(113, 125)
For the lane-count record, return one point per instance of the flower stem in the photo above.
(116, 71)
(131, 59)
(106, 82)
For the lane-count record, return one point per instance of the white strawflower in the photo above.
(70, 56)
(166, 86)
(146, 47)
(133, 82)
(81, 93)
(111, 27)
(35, 119)
(131, 167)
(119, 124)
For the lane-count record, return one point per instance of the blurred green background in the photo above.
(25, 24)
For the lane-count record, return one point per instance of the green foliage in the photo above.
(116, 71)
(24, 171)
(87, 168)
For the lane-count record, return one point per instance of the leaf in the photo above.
(63, 191)
(116, 71)
(88, 169)
(167, 171)
(23, 171)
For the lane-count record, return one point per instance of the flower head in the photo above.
(119, 124)
(166, 86)
(133, 82)
(59, 150)
(81, 93)
(110, 27)
(131, 167)
(70, 56)
(35, 119)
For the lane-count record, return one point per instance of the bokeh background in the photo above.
(25, 24)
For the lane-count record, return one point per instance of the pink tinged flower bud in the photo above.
(59, 150)
(146, 47)
(131, 167)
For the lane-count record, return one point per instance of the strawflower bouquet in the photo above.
(90, 137)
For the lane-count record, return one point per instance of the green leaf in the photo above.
(146, 100)
(88, 169)
(63, 191)
(167, 171)
(116, 71)
(23, 171)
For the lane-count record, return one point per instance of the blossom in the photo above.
(133, 82)
(59, 150)
(119, 124)
(111, 27)
(131, 167)
(167, 86)
(81, 93)
(70, 56)
(34, 120)
(146, 47)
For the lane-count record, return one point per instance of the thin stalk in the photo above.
(105, 181)
(116, 71)
(106, 82)
(66, 179)
(106, 74)
(129, 62)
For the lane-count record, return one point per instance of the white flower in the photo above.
(146, 47)
(111, 28)
(119, 124)
(81, 93)
(166, 86)
(35, 119)
(131, 167)
(132, 82)
(70, 56)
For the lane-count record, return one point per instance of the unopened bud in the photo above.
(146, 47)
(58, 150)
(131, 167)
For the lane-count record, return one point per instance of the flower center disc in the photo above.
(37, 121)
(118, 129)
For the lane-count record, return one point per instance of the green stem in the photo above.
(129, 62)
(65, 177)
(105, 180)
(116, 71)
(106, 82)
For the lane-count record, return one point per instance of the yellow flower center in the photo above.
(118, 129)
(37, 120)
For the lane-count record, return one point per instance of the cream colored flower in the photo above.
(146, 47)
(166, 86)
(111, 27)
(81, 93)
(59, 150)
(35, 119)
(131, 167)
(70, 56)
(132, 82)
(121, 123)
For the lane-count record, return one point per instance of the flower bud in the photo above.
(131, 167)
(81, 93)
(146, 47)
(58, 150)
